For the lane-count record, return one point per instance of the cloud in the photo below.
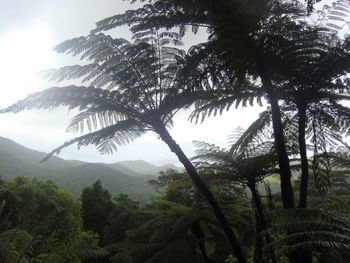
(19, 14)
(43, 130)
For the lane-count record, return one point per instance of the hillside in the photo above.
(145, 168)
(76, 178)
(73, 176)
(12, 149)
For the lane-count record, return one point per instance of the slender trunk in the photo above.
(283, 160)
(303, 157)
(261, 220)
(260, 224)
(258, 206)
(203, 188)
(303, 256)
(259, 242)
(199, 234)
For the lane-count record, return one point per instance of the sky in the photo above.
(28, 31)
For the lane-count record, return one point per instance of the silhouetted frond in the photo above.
(309, 229)
(16, 239)
(341, 157)
(73, 97)
(157, 15)
(106, 139)
(217, 107)
(255, 137)
(219, 166)
(80, 249)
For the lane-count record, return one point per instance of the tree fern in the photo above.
(82, 248)
(134, 88)
(309, 229)
(163, 237)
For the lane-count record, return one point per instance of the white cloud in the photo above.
(25, 48)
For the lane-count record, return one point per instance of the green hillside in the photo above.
(76, 178)
(145, 168)
(12, 149)
(72, 176)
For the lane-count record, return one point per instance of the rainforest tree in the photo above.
(132, 88)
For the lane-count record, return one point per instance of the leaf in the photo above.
(178, 251)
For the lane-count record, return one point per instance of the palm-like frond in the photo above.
(106, 139)
(161, 238)
(310, 229)
(15, 244)
(256, 137)
(219, 165)
(15, 238)
(334, 16)
(224, 103)
(81, 248)
(175, 252)
(74, 97)
(132, 87)
(155, 14)
(341, 157)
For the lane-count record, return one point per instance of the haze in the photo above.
(28, 31)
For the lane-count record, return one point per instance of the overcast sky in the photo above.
(28, 31)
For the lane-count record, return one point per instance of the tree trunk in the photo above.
(203, 188)
(258, 206)
(303, 156)
(199, 234)
(259, 243)
(303, 256)
(261, 223)
(283, 160)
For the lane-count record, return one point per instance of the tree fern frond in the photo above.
(13, 257)
(311, 229)
(204, 148)
(255, 133)
(105, 139)
(72, 96)
(72, 254)
(156, 15)
(185, 221)
(81, 248)
(338, 12)
(175, 252)
(341, 157)
(94, 118)
(16, 239)
(71, 72)
(220, 105)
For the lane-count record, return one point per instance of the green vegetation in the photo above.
(40, 223)
(215, 210)
(73, 176)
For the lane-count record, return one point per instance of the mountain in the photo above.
(121, 168)
(76, 178)
(73, 176)
(12, 149)
(145, 168)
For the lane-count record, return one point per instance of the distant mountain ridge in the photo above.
(142, 167)
(128, 177)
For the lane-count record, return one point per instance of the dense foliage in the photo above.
(40, 223)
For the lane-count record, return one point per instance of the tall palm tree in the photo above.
(248, 168)
(309, 65)
(242, 34)
(132, 88)
(317, 95)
